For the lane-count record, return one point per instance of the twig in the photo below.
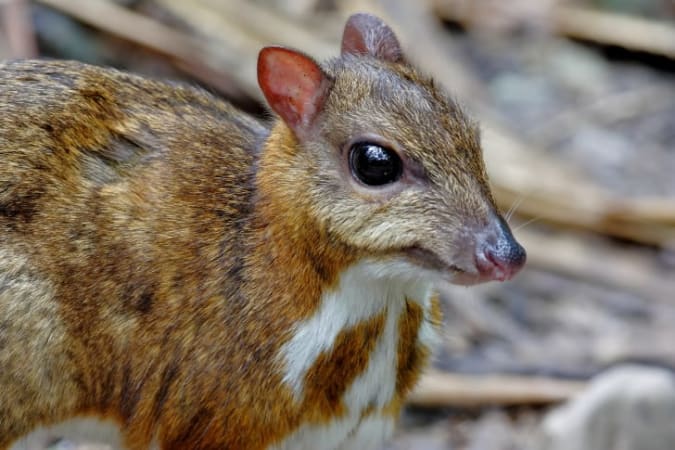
(243, 28)
(188, 53)
(270, 27)
(607, 110)
(295, 8)
(438, 389)
(558, 194)
(629, 270)
(235, 47)
(603, 27)
(16, 21)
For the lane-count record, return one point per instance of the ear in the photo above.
(293, 84)
(366, 34)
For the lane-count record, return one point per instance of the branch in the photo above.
(607, 28)
(602, 27)
(188, 53)
(439, 389)
(17, 22)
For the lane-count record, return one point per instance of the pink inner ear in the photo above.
(366, 34)
(293, 84)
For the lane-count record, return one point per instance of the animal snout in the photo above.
(498, 255)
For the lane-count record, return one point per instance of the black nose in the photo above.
(500, 256)
(507, 249)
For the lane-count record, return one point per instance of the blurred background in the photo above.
(577, 105)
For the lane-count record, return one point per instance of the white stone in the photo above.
(626, 408)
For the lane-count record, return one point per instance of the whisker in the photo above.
(528, 222)
(514, 206)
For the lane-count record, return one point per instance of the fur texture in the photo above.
(204, 280)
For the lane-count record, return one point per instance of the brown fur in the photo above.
(333, 372)
(410, 356)
(157, 246)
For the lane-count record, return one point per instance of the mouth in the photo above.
(447, 272)
(490, 253)
(486, 265)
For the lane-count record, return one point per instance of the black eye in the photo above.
(373, 164)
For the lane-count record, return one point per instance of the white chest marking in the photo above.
(349, 433)
(98, 434)
(92, 431)
(364, 290)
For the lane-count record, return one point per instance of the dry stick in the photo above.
(603, 27)
(19, 28)
(188, 53)
(621, 269)
(295, 8)
(630, 32)
(272, 28)
(247, 27)
(438, 389)
(235, 45)
(647, 221)
(559, 195)
(607, 110)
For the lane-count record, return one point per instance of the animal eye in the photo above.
(373, 164)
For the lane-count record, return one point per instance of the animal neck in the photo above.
(361, 350)
(358, 322)
(292, 254)
(353, 332)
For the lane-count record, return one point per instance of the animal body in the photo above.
(176, 274)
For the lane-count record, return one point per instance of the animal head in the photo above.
(385, 161)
